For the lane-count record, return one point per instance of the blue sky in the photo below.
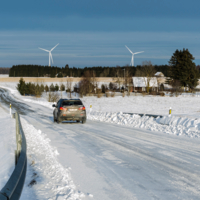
(94, 33)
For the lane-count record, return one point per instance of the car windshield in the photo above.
(72, 102)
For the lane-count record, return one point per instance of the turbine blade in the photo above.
(138, 52)
(43, 49)
(129, 49)
(54, 47)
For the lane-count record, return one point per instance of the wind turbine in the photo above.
(50, 55)
(132, 59)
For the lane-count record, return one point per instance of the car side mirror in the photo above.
(53, 105)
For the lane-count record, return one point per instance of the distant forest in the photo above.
(46, 71)
(4, 70)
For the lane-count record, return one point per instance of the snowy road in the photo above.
(109, 161)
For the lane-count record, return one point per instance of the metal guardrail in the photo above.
(13, 188)
(141, 115)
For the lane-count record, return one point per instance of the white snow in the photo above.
(4, 75)
(48, 177)
(7, 146)
(180, 126)
(52, 168)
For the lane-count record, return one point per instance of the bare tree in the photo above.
(176, 88)
(69, 86)
(88, 75)
(86, 85)
(147, 71)
(128, 79)
(53, 96)
(94, 81)
(160, 82)
(118, 76)
(4, 70)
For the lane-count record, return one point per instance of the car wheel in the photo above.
(58, 120)
(83, 120)
(78, 121)
(54, 119)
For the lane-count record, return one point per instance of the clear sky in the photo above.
(94, 33)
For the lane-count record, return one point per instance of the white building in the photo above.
(140, 83)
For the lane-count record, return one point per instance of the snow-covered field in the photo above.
(4, 75)
(184, 123)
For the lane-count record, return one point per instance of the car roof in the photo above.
(70, 99)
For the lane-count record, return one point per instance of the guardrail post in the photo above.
(16, 157)
(170, 111)
(13, 115)
(10, 110)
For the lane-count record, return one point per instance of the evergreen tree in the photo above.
(21, 86)
(183, 69)
(42, 87)
(46, 88)
(56, 87)
(52, 87)
(62, 87)
(38, 90)
(29, 87)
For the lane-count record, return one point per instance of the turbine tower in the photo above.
(50, 55)
(132, 59)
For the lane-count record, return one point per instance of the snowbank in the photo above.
(47, 177)
(170, 125)
(7, 147)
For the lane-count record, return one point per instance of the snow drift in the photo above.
(167, 124)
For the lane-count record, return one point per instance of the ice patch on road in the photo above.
(180, 126)
(49, 179)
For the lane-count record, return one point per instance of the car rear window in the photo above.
(69, 103)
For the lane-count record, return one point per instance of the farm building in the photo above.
(140, 84)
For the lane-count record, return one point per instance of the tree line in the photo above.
(181, 71)
(99, 71)
(4, 70)
(37, 89)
